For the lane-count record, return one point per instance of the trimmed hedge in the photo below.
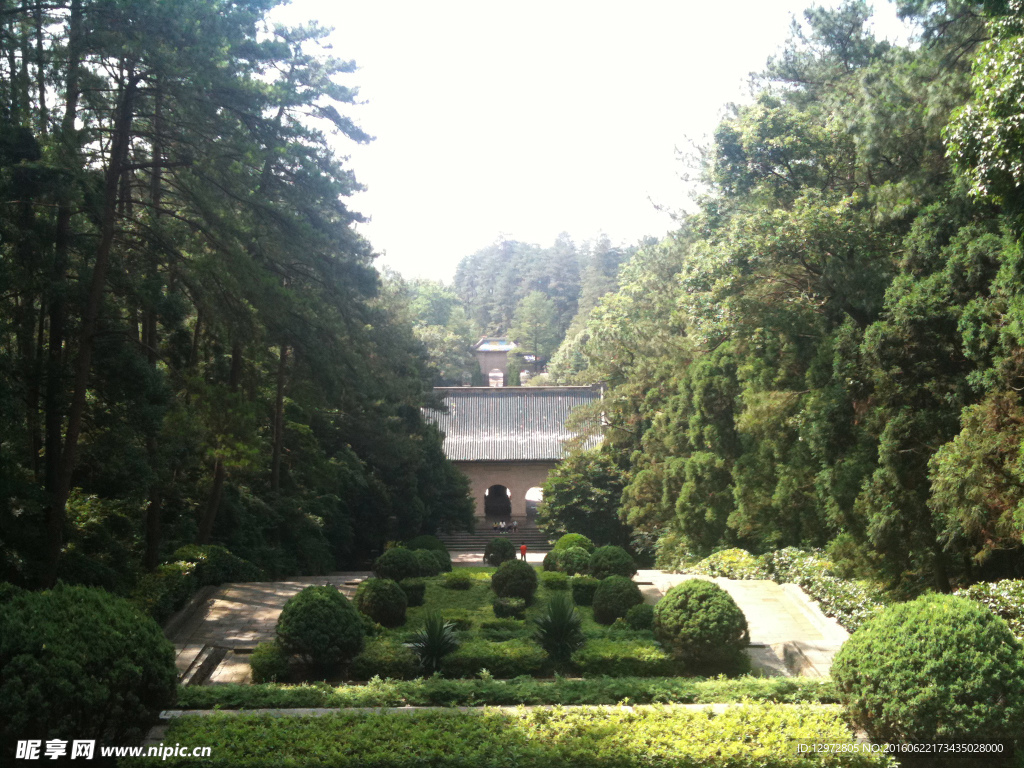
(938, 668)
(700, 624)
(583, 589)
(515, 578)
(574, 560)
(383, 601)
(640, 617)
(510, 658)
(78, 660)
(611, 561)
(427, 563)
(397, 564)
(760, 735)
(269, 663)
(554, 581)
(509, 608)
(625, 657)
(499, 551)
(386, 658)
(570, 540)
(414, 589)
(459, 579)
(614, 597)
(320, 625)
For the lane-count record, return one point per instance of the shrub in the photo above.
(502, 629)
(396, 564)
(434, 641)
(574, 560)
(383, 601)
(269, 663)
(216, 565)
(933, 669)
(165, 590)
(320, 625)
(499, 551)
(426, 541)
(550, 561)
(640, 617)
(509, 608)
(570, 540)
(414, 589)
(700, 624)
(508, 659)
(1004, 598)
(459, 579)
(624, 657)
(8, 592)
(444, 560)
(78, 660)
(613, 597)
(611, 561)
(515, 578)
(729, 564)
(427, 563)
(554, 581)
(386, 658)
(583, 589)
(559, 628)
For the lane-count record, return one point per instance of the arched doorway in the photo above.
(534, 497)
(497, 503)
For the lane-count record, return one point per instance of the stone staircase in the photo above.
(528, 534)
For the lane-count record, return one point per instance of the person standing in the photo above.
(522, 552)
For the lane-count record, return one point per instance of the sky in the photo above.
(523, 120)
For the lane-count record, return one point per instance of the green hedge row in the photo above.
(436, 691)
(741, 737)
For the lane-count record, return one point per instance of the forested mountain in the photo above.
(194, 346)
(828, 353)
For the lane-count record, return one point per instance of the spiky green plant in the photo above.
(436, 640)
(559, 628)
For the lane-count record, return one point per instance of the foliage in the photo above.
(425, 541)
(574, 560)
(551, 561)
(729, 564)
(611, 561)
(1004, 598)
(559, 628)
(79, 660)
(396, 564)
(459, 579)
(382, 600)
(701, 625)
(385, 657)
(640, 617)
(499, 551)
(434, 641)
(613, 598)
(269, 663)
(507, 659)
(515, 578)
(509, 608)
(931, 670)
(429, 562)
(215, 565)
(320, 625)
(165, 590)
(742, 737)
(554, 581)
(569, 540)
(414, 590)
(626, 657)
(583, 589)
(582, 495)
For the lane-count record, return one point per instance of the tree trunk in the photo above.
(275, 464)
(219, 471)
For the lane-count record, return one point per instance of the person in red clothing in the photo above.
(522, 551)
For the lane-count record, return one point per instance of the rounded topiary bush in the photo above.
(426, 541)
(78, 660)
(515, 578)
(583, 589)
(459, 579)
(383, 601)
(613, 597)
(640, 616)
(701, 625)
(551, 561)
(611, 561)
(574, 560)
(499, 551)
(269, 663)
(427, 563)
(937, 668)
(322, 626)
(397, 564)
(444, 560)
(415, 590)
(574, 540)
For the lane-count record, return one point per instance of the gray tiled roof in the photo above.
(509, 423)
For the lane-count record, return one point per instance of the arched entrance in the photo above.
(534, 497)
(497, 503)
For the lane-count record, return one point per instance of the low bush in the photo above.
(383, 601)
(320, 625)
(427, 563)
(515, 578)
(938, 668)
(503, 660)
(760, 735)
(701, 625)
(78, 660)
(459, 579)
(426, 541)
(550, 561)
(386, 658)
(574, 560)
(729, 564)
(583, 589)
(640, 617)
(215, 565)
(611, 561)
(444, 560)
(396, 564)
(165, 590)
(509, 608)
(614, 596)
(559, 628)
(437, 639)
(554, 581)
(269, 663)
(499, 551)
(414, 590)
(624, 656)
(570, 540)
(1004, 598)
(502, 629)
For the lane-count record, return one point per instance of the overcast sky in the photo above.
(526, 119)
